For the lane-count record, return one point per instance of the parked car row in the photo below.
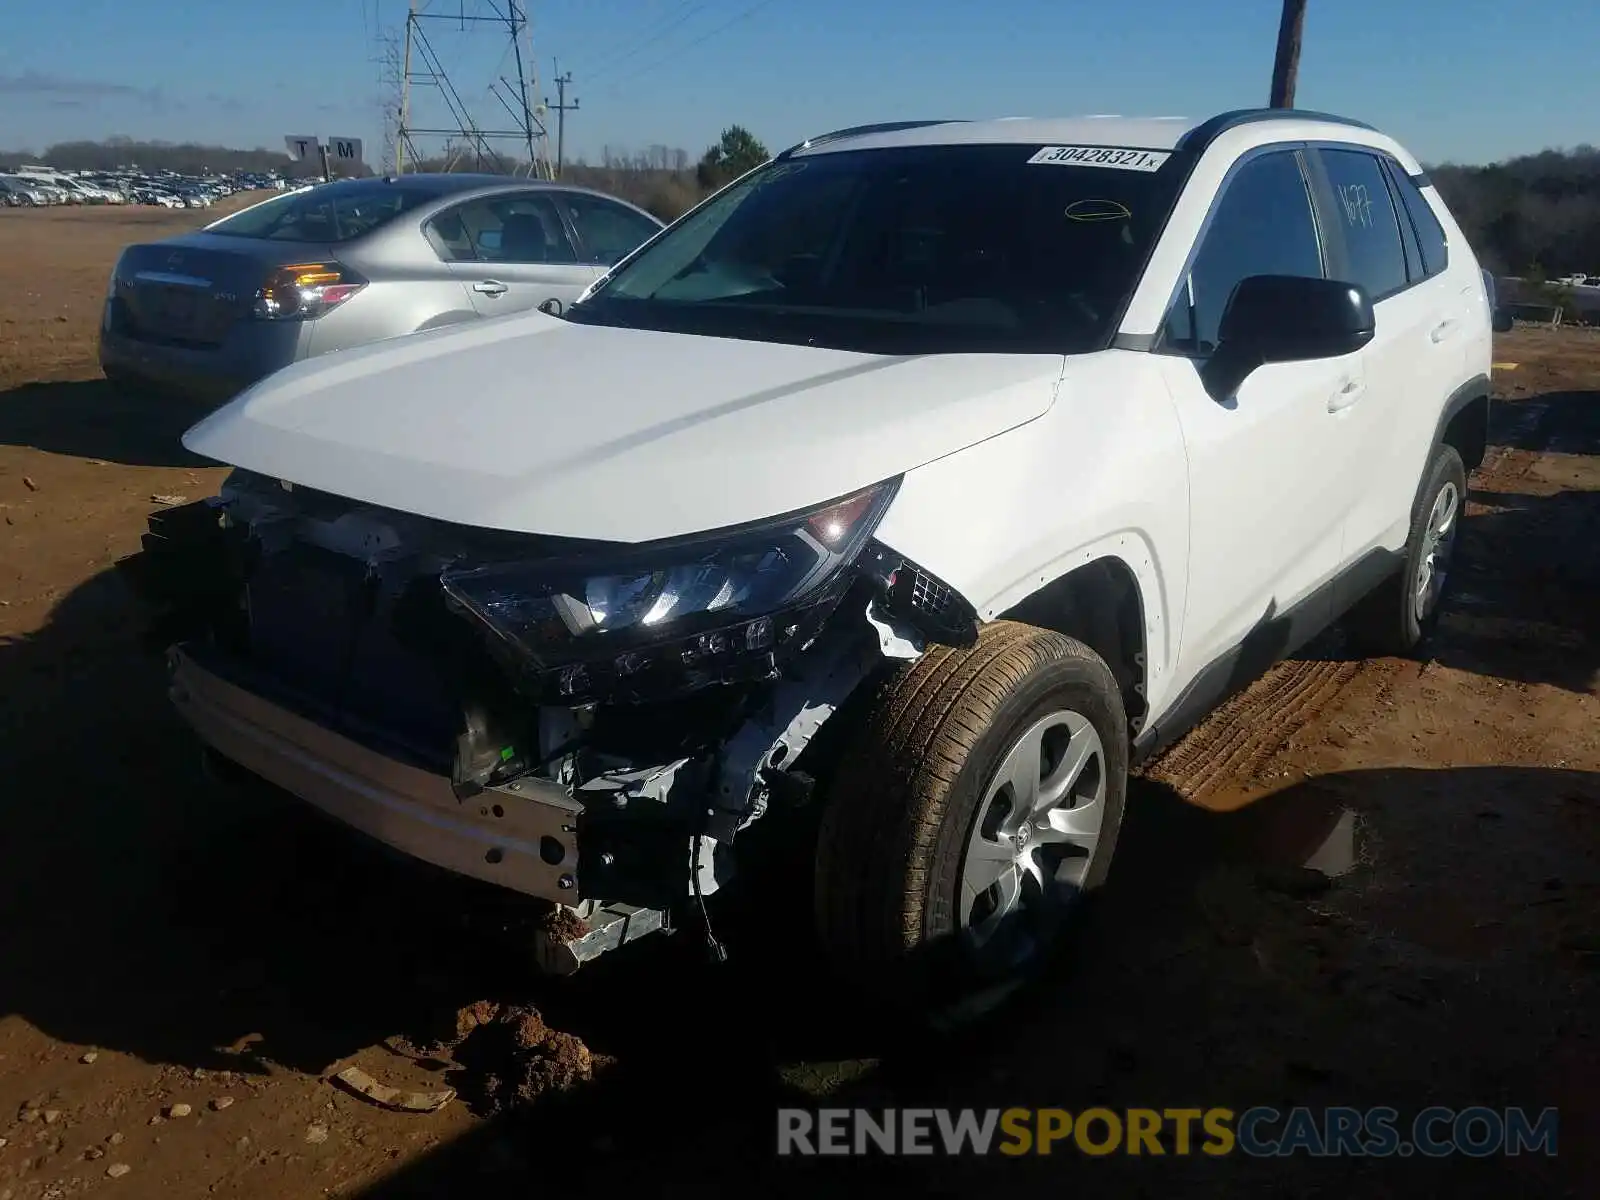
(38, 186)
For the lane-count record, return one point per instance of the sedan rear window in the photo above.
(333, 213)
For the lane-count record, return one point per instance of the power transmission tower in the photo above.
(1286, 66)
(422, 66)
(561, 109)
(390, 73)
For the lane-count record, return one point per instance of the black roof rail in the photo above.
(1203, 134)
(863, 130)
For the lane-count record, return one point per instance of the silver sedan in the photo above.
(342, 264)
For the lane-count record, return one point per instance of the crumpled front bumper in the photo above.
(523, 836)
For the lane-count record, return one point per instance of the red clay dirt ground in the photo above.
(210, 950)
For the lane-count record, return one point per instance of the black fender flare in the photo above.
(1475, 389)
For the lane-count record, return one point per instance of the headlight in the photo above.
(671, 615)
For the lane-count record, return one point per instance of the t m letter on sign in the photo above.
(344, 150)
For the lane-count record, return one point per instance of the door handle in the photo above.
(490, 287)
(1442, 331)
(1348, 394)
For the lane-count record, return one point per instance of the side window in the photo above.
(1366, 217)
(1430, 234)
(607, 231)
(1263, 225)
(517, 227)
(1408, 235)
(448, 235)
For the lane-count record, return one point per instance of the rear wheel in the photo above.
(978, 804)
(1403, 610)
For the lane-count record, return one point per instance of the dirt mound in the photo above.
(564, 925)
(512, 1057)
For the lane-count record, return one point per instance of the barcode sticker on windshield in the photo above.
(1118, 158)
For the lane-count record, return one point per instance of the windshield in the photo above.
(921, 249)
(334, 213)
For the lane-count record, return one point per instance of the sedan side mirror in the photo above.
(1285, 318)
(552, 307)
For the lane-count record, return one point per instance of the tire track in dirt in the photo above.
(1246, 731)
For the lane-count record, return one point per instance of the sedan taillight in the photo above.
(303, 291)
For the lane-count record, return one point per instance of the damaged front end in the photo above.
(589, 723)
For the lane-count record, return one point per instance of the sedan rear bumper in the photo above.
(521, 836)
(251, 351)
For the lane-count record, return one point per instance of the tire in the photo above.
(916, 786)
(1396, 616)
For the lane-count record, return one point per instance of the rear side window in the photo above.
(608, 231)
(1430, 234)
(510, 227)
(333, 213)
(1262, 226)
(1366, 217)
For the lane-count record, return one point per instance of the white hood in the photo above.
(538, 425)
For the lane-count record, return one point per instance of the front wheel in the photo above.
(1403, 610)
(978, 803)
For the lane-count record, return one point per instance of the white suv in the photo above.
(932, 472)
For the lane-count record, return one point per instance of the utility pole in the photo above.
(1286, 67)
(561, 111)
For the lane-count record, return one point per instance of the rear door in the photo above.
(1417, 355)
(606, 231)
(512, 251)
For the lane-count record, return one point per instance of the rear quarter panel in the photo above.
(408, 289)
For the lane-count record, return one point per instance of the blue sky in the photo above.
(1461, 80)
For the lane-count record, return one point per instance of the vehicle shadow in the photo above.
(1566, 422)
(1212, 972)
(97, 419)
(149, 912)
(135, 887)
(1522, 603)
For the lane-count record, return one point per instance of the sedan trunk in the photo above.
(190, 291)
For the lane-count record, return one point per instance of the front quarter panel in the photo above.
(1102, 473)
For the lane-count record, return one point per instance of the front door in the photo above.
(1270, 467)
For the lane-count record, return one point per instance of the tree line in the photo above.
(660, 179)
(1535, 215)
(186, 158)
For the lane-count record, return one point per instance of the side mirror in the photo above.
(1285, 318)
(551, 307)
